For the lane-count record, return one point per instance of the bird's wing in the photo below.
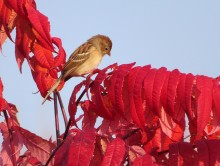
(78, 57)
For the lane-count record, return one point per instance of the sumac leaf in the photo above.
(204, 102)
(115, 152)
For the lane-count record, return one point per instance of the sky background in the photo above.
(174, 34)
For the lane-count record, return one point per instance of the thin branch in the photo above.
(163, 152)
(10, 138)
(56, 119)
(67, 129)
(53, 153)
(62, 109)
(130, 134)
(68, 125)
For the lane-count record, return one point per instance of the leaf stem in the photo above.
(10, 137)
(56, 119)
(130, 134)
(62, 109)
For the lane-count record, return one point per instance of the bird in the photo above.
(84, 59)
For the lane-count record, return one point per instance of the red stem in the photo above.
(56, 119)
(10, 138)
(62, 109)
(130, 134)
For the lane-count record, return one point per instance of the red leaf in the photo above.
(180, 102)
(27, 159)
(208, 152)
(6, 30)
(79, 150)
(160, 77)
(3, 104)
(135, 82)
(138, 94)
(181, 154)
(115, 152)
(39, 147)
(204, 102)
(19, 58)
(96, 91)
(12, 111)
(82, 148)
(111, 126)
(72, 103)
(5, 15)
(42, 77)
(6, 152)
(89, 119)
(148, 89)
(170, 128)
(43, 56)
(1, 88)
(100, 149)
(216, 97)
(145, 160)
(61, 156)
(168, 101)
(41, 26)
(116, 86)
(98, 155)
(131, 82)
(188, 95)
(59, 60)
(18, 6)
(23, 42)
(135, 151)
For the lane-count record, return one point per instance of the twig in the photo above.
(130, 134)
(68, 125)
(53, 153)
(56, 118)
(62, 109)
(163, 152)
(10, 138)
(67, 129)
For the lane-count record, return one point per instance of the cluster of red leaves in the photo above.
(145, 109)
(33, 42)
(15, 137)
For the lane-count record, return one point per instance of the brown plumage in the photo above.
(84, 59)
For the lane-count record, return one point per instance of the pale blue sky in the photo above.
(173, 34)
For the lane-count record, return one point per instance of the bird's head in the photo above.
(104, 43)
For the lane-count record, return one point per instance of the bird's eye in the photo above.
(106, 48)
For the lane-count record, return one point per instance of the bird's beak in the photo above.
(109, 54)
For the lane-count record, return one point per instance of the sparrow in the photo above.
(84, 59)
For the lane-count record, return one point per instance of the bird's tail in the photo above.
(55, 85)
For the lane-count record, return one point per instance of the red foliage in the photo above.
(178, 95)
(143, 110)
(78, 148)
(32, 36)
(115, 153)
